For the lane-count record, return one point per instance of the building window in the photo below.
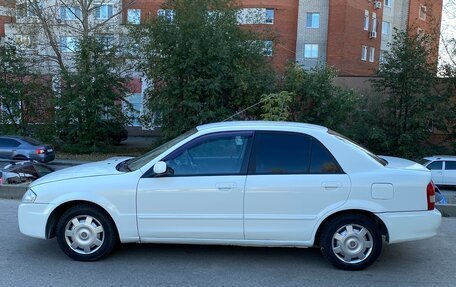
(366, 20)
(388, 3)
(251, 16)
(268, 49)
(423, 10)
(134, 109)
(374, 22)
(364, 53)
(28, 8)
(382, 56)
(70, 13)
(134, 16)
(386, 28)
(269, 16)
(311, 51)
(68, 44)
(23, 41)
(167, 14)
(313, 20)
(104, 11)
(106, 40)
(371, 54)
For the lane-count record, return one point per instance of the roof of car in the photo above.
(441, 157)
(260, 124)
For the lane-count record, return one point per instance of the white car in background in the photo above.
(239, 183)
(443, 169)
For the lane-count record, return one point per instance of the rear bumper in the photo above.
(43, 157)
(409, 226)
(33, 218)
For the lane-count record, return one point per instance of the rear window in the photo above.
(31, 141)
(450, 165)
(361, 148)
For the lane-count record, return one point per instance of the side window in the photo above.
(436, 165)
(9, 143)
(450, 165)
(280, 153)
(216, 155)
(322, 161)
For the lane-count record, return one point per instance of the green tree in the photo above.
(203, 66)
(24, 96)
(317, 99)
(276, 107)
(89, 104)
(412, 108)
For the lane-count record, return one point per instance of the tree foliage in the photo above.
(22, 93)
(412, 108)
(317, 99)
(89, 104)
(202, 65)
(276, 107)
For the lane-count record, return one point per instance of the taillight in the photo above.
(40, 151)
(430, 190)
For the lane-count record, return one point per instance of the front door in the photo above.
(201, 196)
(292, 178)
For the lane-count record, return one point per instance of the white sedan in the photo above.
(238, 183)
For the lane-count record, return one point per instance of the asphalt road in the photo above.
(32, 262)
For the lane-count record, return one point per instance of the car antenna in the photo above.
(252, 106)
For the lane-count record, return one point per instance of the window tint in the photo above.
(281, 153)
(450, 165)
(322, 161)
(9, 143)
(436, 165)
(217, 155)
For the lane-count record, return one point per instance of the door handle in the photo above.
(226, 186)
(331, 185)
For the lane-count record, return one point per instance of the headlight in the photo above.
(29, 196)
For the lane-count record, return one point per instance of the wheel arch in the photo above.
(369, 214)
(53, 218)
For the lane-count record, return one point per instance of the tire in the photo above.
(86, 233)
(351, 242)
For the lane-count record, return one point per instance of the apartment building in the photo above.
(350, 35)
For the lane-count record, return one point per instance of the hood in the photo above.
(101, 168)
(401, 163)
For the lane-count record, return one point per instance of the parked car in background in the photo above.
(238, 183)
(23, 172)
(443, 169)
(25, 148)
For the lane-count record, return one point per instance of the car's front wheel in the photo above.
(86, 233)
(351, 242)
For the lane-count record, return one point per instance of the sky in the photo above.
(448, 27)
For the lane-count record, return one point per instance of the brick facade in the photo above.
(346, 36)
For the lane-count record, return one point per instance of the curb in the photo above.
(12, 191)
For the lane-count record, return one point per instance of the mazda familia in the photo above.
(239, 183)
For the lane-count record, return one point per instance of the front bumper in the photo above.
(409, 226)
(33, 218)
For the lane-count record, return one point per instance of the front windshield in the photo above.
(142, 160)
(349, 141)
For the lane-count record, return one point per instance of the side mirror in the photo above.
(160, 167)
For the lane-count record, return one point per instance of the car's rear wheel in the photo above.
(351, 242)
(86, 233)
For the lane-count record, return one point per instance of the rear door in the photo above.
(436, 168)
(449, 174)
(292, 178)
(8, 147)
